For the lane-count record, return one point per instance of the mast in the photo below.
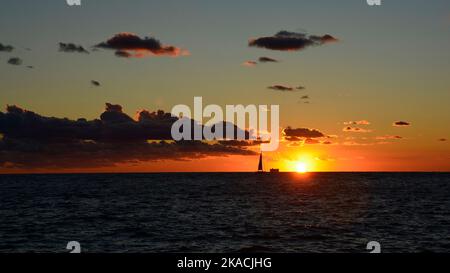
(260, 165)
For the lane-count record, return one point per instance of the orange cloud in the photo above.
(359, 122)
(356, 130)
(249, 63)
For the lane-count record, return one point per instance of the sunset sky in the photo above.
(375, 82)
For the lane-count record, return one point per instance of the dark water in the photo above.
(326, 212)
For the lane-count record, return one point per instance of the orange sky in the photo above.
(353, 63)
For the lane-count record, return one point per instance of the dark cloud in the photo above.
(95, 83)
(123, 54)
(286, 88)
(30, 140)
(15, 61)
(72, 48)
(301, 133)
(306, 97)
(442, 139)
(401, 123)
(242, 143)
(267, 60)
(291, 41)
(282, 88)
(130, 45)
(6, 48)
(29, 154)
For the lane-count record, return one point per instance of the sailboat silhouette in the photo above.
(260, 165)
(261, 168)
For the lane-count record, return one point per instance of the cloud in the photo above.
(283, 88)
(267, 60)
(291, 41)
(30, 140)
(249, 63)
(325, 158)
(6, 48)
(95, 83)
(123, 54)
(354, 143)
(241, 143)
(129, 45)
(312, 141)
(298, 134)
(72, 48)
(29, 154)
(286, 88)
(356, 130)
(442, 139)
(306, 97)
(359, 122)
(401, 124)
(388, 137)
(15, 61)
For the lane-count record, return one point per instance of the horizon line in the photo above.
(221, 172)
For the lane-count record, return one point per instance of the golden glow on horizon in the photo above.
(301, 167)
(302, 163)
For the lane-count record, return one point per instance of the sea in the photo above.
(225, 212)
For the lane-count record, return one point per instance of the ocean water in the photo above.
(226, 212)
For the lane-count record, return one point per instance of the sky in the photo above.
(384, 65)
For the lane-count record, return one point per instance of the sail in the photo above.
(260, 165)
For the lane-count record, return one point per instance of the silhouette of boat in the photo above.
(261, 168)
(260, 165)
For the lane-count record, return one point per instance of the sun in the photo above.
(301, 167)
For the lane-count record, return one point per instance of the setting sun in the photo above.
(301, 167)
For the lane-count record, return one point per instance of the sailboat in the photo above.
(260, 165)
